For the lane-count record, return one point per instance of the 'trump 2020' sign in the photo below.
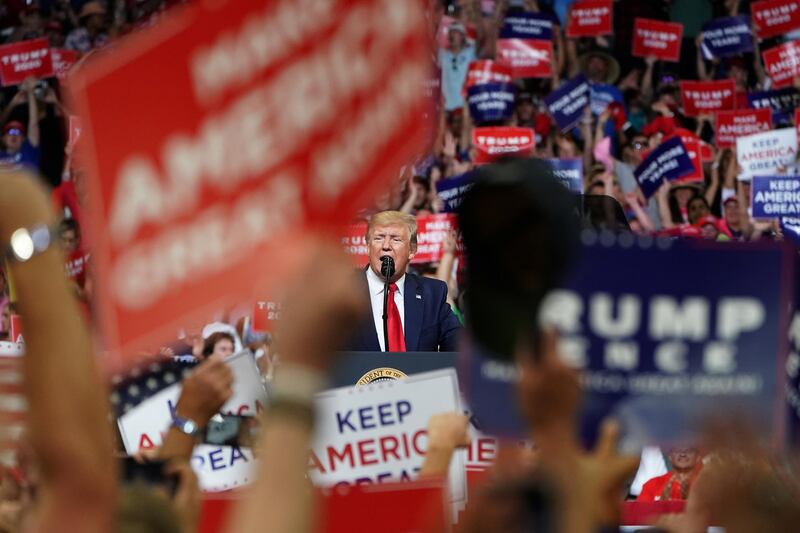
(265, 117)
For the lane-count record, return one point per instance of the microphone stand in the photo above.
(386, 314)
(387, 269)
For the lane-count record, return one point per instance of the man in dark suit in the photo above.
(419, 317)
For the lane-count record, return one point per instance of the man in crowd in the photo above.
(675, 484)
(454, 63)
(91, 34)
(418, 316)
(21, 147)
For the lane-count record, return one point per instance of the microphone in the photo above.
(387, 267)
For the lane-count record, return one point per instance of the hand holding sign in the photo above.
(205, 390)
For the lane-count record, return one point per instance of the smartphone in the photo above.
(150, 473)
(231, 430)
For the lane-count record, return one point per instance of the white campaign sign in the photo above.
(766, 153)
(377, 433)
(217, 467)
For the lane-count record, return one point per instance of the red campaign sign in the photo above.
(265, 315)
(354, 243)
(693, 149)
(659, 39)
(63, 60)
(496, 142)
(703, 97)
(782, 63)
(734, 124)
(775, 17)
(74, 131)
(257, 131)
(487, 71)
(687, 137)
(27, 58)
(431, 231)
(527, 58)
(376, 508)
(590, 18)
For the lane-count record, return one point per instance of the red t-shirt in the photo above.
(653, 490)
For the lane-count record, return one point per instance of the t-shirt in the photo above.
(28, 156)
(454, 67)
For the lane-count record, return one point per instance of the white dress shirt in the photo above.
(376, 298)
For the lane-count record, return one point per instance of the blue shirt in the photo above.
(28, 156)
(602, 95)
(454, 69)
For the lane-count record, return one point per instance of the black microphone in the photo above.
(387, 267)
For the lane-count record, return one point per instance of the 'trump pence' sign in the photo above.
(268, 117)
(378, 433)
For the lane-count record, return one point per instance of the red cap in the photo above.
(12, 125)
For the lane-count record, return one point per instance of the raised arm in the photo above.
(33, 112)
(67, 411)
(280, 500)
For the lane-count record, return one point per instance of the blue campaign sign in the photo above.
(527, 26)
(668, 161)
(782, 102)
(663, 333)
(602, 95)
(775, 196)
(729, 36)
(452, 190)
(569, 172)
(491, 102)
(566, 103)
(790, 226)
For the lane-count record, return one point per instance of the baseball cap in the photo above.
(457, 26)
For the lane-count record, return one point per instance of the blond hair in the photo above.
(391, 218)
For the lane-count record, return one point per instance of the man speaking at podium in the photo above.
(417, 315)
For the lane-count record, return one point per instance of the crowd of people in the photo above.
(72, 479)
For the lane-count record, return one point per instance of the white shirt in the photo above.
(376, 298)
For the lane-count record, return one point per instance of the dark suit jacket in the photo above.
(430, 324)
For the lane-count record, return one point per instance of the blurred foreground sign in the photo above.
(245, 122)
(670, 333)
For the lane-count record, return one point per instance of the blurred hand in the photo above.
(449, 148)
(29, 84)
(590, 485)
(320, 311)
(205, 390)
(449, 242)
(448, 431)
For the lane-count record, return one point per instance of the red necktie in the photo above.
(393, 323)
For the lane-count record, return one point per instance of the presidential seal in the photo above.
(378, 375)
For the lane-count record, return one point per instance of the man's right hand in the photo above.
(205, 390)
